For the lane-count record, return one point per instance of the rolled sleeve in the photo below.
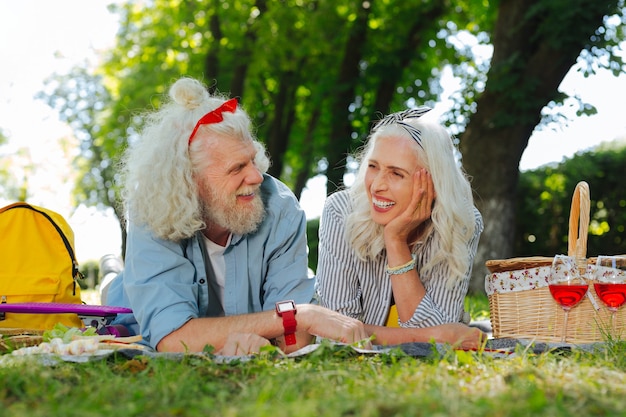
(287, 273)
(337, 286)
(159, 283)
(426, 314)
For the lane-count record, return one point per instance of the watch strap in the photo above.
(290, 324)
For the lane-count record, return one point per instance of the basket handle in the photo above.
(579, 221)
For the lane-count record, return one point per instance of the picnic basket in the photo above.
(520, 302)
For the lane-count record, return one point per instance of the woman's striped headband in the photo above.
(397, 118)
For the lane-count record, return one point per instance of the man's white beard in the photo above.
(223, 210)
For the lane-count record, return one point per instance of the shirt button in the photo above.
(202, 281)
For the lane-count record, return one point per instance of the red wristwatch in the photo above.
(287, 310)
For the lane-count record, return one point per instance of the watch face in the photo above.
(285, 306)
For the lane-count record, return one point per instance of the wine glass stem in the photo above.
(564, 326)
(613, 323)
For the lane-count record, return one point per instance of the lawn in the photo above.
(331, 381)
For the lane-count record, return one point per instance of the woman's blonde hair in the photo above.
(452, 217)
(159, 190)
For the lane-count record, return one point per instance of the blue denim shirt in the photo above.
(165, 283)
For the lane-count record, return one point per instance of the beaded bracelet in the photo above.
(397, 270)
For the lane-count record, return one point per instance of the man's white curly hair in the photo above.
(159, 190)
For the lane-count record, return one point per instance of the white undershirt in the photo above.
(216, 257)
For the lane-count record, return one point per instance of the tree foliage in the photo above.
(16, 167)
(535, 44)
(6, 187)
(544, 209)
(314, 75)
(83, 101)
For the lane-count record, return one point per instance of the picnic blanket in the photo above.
(498, 348)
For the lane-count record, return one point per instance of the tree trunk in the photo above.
(283, 118)
(529, 62)
(244, 57)
(341, 126)
(399, 58)
(211, 61)
(307, 151)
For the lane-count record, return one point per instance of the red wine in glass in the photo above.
(612, 295)
(610, 283)
(568, 295)
(567, 285)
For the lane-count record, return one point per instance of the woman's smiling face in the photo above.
(389, 177)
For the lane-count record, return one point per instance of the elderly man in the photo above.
(216, 251)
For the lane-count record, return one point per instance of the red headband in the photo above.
(214, 116)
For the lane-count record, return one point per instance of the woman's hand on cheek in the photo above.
(424, 189)
(418, 209)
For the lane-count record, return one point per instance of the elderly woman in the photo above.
(396, 249)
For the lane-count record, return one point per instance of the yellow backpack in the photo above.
(37, 265)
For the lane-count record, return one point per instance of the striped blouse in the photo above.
(362, 290)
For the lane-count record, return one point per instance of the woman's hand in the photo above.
(418, 210)
(459, 335)
(326, 323)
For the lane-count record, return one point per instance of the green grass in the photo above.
(332, 381)
(477, 306)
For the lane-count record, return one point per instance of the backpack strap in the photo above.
(75, 271)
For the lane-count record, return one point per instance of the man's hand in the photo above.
(241, 344)
(247, 333)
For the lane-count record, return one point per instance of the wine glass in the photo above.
(610, 283)
(567, 285)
